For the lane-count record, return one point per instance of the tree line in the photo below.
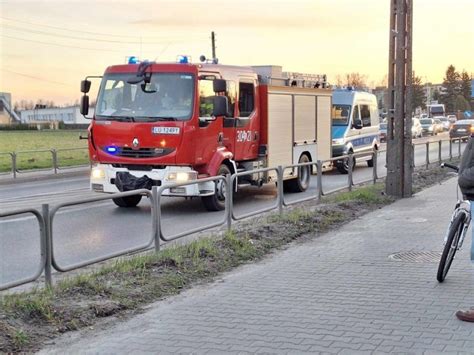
(455, 92)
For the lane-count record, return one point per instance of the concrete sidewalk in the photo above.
(340, 293)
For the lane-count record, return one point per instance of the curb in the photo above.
(32, 176)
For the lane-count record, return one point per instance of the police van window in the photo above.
(206, 98)
(246, 99)
(365, 115)
(231, 94)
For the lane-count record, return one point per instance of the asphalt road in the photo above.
(91, 230)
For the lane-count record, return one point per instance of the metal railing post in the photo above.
(427, 154)
(156, 225)
(319, 178)
(450, 149)
(280, 189)
(55, 160)
(349, 174)
(48, 247)
(157, 203)
(374, 159)
(14, 164)
(439, 150)
(229, 201)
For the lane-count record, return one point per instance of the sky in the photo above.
(48, 46)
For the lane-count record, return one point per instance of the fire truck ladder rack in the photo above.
(299, 80)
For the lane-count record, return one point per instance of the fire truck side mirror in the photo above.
(219, 85)
(84, 105)
(220, 106)
(85, 86)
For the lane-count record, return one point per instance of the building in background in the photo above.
(42, 116)
(7, 114)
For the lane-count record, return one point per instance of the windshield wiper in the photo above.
(122, 118)
(159, 118)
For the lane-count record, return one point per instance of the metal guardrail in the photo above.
(46, 216)
(154, 239)
(157, 194)
(46, 219)
(54, 166)
(43, 241)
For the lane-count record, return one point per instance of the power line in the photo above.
(15, 28)
(62, 45)
(35, 77)
(87, 32)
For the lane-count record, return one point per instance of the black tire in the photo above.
(450, 247)
(128, 201)
(343, 166)
(370, 162)
(216, 202)
(301, 183)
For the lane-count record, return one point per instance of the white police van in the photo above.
(355, 126)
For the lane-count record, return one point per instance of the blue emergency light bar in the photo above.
(183, 59)
(133, 60)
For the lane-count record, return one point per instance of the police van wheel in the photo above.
(128, 201)
(343, 166)
(301, 183)
(216, 202)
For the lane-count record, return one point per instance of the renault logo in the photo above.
(135, 142)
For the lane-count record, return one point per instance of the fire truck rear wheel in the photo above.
(128, 201)
(301, 183)
(216, 202)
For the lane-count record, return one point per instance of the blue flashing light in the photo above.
(111, 150)
(182, 59)
(132, 60)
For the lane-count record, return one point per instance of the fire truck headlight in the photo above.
(182, 176)
(97, 173)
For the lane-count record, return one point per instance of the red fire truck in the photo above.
(161, 123)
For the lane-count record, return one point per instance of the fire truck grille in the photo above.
(138, 153)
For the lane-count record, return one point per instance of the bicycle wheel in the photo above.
(451, 246)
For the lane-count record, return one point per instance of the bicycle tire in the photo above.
(447, 256)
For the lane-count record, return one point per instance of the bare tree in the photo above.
(355, 80)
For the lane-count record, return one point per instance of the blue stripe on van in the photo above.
(362, 141)
(338, 131)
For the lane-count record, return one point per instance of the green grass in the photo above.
(373, 194)
(18, 141)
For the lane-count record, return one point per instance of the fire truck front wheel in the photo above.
(128, 201)
(216, 202)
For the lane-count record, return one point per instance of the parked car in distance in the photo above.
(452, 118)
(383, 132)
(461, 129)
(438, 125)
(431, 126)
(416, 129)
(445, 122)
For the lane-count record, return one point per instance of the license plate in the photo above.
(461, 130)
(165, 130)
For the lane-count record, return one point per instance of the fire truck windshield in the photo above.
(168, 96)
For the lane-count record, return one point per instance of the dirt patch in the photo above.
(30, 320)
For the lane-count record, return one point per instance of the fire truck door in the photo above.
(246, 124)
(230, 118)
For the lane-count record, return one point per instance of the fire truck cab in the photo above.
(162, 123)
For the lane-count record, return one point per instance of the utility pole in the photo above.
(213, 39)
(399, 141)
